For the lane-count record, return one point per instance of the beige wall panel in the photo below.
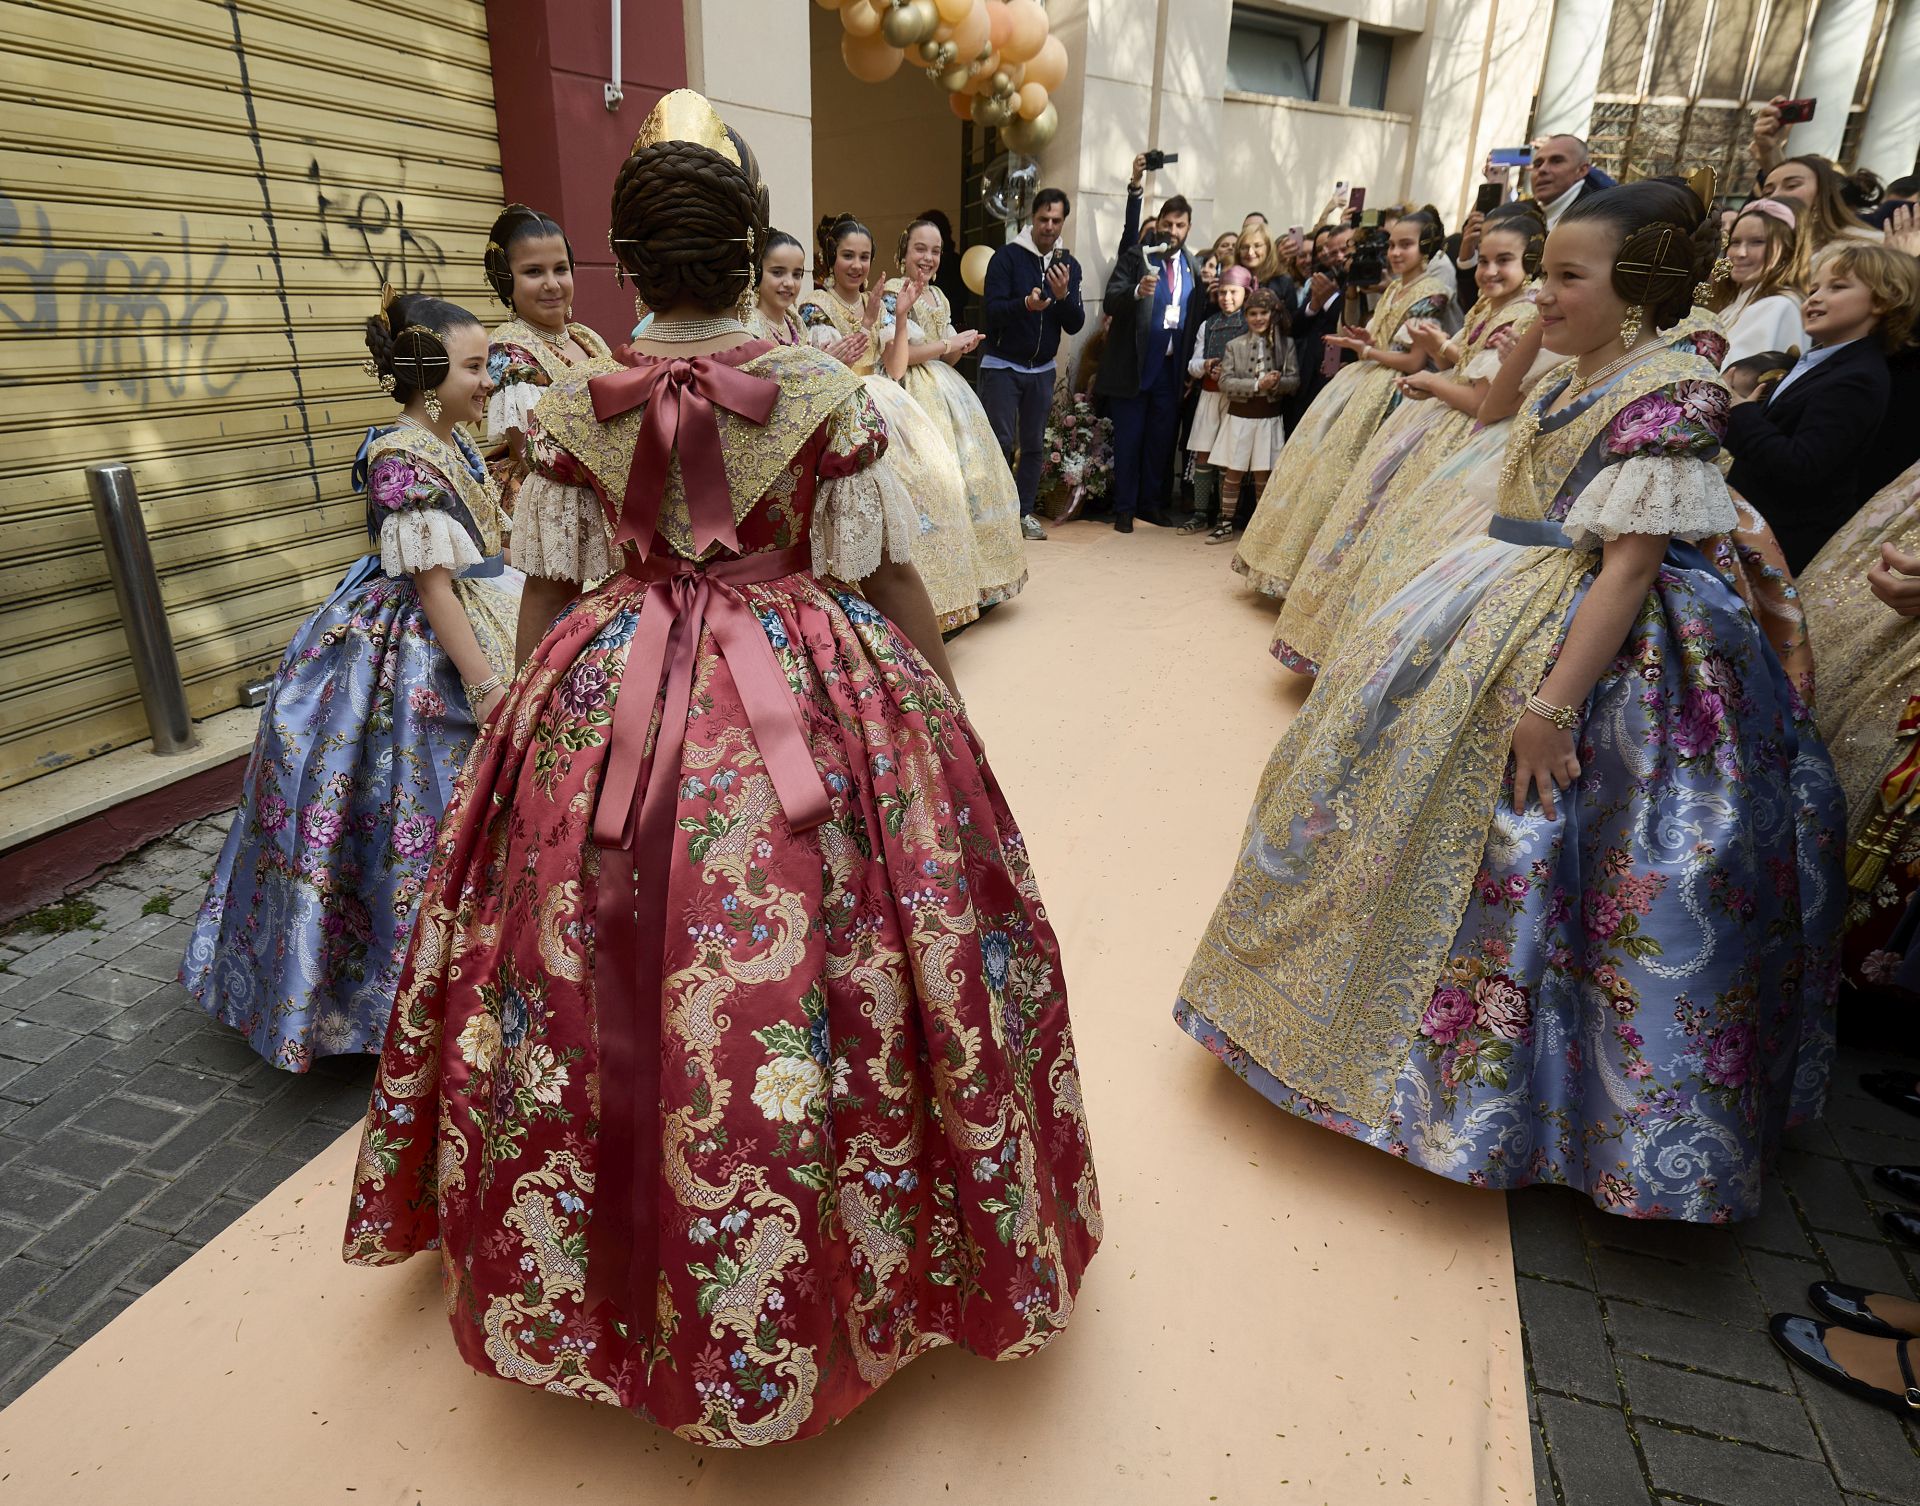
(1286, 154)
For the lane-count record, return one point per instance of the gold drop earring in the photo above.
(431, 402)
(1630, 326)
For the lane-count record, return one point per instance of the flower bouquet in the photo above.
(1078, 463)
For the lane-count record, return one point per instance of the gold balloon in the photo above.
(1033, 99)
(953, 80)
(1027, 28)
(1030, 136)
(1002, 82)
(910, 22)
(1049, 66)
(953, 12)
(973, 267)
(870, 59)
(988, 111)
(860, 18)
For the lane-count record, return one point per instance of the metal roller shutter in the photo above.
(199, 200)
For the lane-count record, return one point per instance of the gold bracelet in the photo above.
(478, 693)
(1566, 718)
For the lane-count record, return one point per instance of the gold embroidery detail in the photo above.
(481, 498)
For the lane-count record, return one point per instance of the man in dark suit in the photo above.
(1157, 302)
(1796, 456)
(1317, 316)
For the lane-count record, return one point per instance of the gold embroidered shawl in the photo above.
(1372, 817)
(812, 386)
(1397, 300)
(481, 498)
(830, 307)
(516, 331)
(930, 310)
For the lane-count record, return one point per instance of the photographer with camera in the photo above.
(1319, 316)
(1156, 301)
(1032, 298)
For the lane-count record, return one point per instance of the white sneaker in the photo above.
(1030, 528)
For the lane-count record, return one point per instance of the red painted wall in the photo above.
(560, 146)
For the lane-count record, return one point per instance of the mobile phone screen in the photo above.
(1511, 156)
(1488, 199)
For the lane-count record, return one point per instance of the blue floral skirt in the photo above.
(299, 943)
(1639, 998)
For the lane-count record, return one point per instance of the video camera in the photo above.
(1367, 266)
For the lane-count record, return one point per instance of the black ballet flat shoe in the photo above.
(1847, 1306)
(1896, 1089)
(1804, 1342)
(1901, 1180)
(1904, 1227)
(1123, 525)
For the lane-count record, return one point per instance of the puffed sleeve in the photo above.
(1662, 479)
(518, 380)
(1434, 306)
(864, 513)
(418, 530)
(818, 326)
(560, 529)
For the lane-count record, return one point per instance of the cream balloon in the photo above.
(961, 103)
(827, 4)
(860, 18)
(1027, 29)
(999, 23)
(1049, 66)
(973, 267)
(1030, 136)
(871, 59)
(953, 12)
(1033, 99)
(973, 32)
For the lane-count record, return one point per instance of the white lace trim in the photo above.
(861, 519)
(1679, 495)
(418, 538)
(560, 532)
(508, 408)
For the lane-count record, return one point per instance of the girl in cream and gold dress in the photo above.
(1543, 885)
(924, 366)
(1438, 414)
(1322, 450)
(844, 319)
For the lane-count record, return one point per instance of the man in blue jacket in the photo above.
(1032, 297)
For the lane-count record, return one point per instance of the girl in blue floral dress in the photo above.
(1544, 883)
(375, 704)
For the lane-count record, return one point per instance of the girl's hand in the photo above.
(1347, 342)
(1417, 385)
(1896, 580)
(1902, 230)
(907, 297)
(876, 303)
(849, 351)
(1213, 370)
(964, 340)
(1268, 383)
(1543, 758)
(1427, 336)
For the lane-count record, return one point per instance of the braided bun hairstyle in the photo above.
(1668, 243)
(1524, 218)
(688, 224)
(516, 223)
(1433, 230)
(906, 236)
(832, 230)
(407, 343)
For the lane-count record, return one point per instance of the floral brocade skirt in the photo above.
(1638, 998)
(299, 942)
(943, 548)
(993, 501)
(872, 1137)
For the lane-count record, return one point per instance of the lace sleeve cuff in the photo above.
(861, 520)
(1679, 495)
(508, 408)
(421, 539)
(560, 532)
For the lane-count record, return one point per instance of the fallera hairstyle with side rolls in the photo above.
(775, 240)
(517, 222)
(1523, 218)
(1892, 278)
(408, 343)
(832, 230)
(1667, 243)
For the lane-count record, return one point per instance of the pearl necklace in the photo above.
(856, 311)
(691, 331)
(1526, 428)
(558, 342)
(1578, 384)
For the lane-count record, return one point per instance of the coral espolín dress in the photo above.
(1634, 997)
(731, 1069)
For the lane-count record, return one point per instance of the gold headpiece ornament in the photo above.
(1701, 181)
(684, 115)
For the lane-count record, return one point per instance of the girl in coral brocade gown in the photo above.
(731, 1067)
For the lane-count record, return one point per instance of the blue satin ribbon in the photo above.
(1529, 533)
(487, 569)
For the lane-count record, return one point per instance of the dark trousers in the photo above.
(1017, 404)
(1144, 428)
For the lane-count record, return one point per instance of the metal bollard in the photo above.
(123, 530)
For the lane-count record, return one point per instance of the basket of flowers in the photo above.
(1079, 457)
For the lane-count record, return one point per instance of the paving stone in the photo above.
(1868, 1263)
(1716, 1295)
(308, 1140)
(208, 1128)
(1777, 1228)
(1592, 1455)
(24, 991)
(124, 938)
(150, 1039)
(1726, 1409)
(1783, 1283)
(273, 1120)
(110, 985)
(1543, 1493)
(1701, 1246)
(60, 950)
(152, 959)
(17, 1346)
(20, 1281)
(1741, 1351)
(121, 1118)
(1870, 1451)
(175, 1208)
(1737, 1473)
(12, 1071)
(65, 1011)
(120, 1199)
(175, 1085)
(219, 1051)
(207, 1227)
(1827, 1195)
(101, 1313)
(1546, 1237)
(82, 1158)
(110, 1262)
(27, 1042)
(1566, 1340)
(263, 1176)
(48, 1078)
(87, 1087)
(343, 1105)
(10, 1111)
(34, 1199)
(29, 1374)
(161, 1264)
